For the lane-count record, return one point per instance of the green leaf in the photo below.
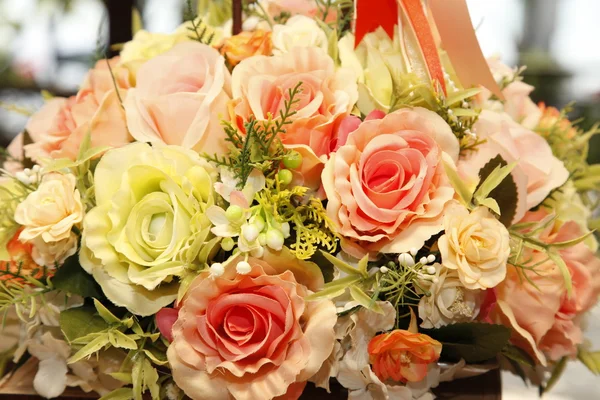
(78, 322)
(494, 179)
(124, 377)
(344, 267)
(71, 278)
(505, 193)
(459, 186)
(518, 355)
(572, 242)
(590, 359)
(151, 379)
(364, 300)
(458, 97)
(92, 347)
(156, 356)
(564, 270)
(474, 342)
(464, 112)
(119, 394)
(557, 372)
(491, 204)
(106, 315)
(121, 340)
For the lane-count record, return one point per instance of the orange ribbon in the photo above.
(454, 24)
(448, 18)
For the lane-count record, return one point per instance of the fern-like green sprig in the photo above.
(260, 146)
(199, 29)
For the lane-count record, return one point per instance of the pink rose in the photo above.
(58, 129)
(308, 8)
(181, 98)
(517, 102)
(538, 171)
(260, 85)
(252, 336)
(545, 320)
(386, 186)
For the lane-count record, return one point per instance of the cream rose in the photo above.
(450, 302)
(181, 98)
(48, 216)
(298, 31)
(476, 245)
(386, 186)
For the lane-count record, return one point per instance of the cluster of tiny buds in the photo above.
(407, 260)
(29, 176)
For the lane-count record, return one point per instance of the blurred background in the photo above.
(48, 45)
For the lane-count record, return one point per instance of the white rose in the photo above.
(53, 253)
(449, 301)
(299, 31)
(476, 245)
(377, 61)
(48, 216)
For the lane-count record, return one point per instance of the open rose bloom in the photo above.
(306, 203)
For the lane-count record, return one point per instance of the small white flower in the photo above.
(243, 268)
(430, 258)
(217, 269)
(406, 260)
(274, 239)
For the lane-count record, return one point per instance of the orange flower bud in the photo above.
(245, 45)
(403, 356)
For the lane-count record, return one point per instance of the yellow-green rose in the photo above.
(148, 225)
(376, 61)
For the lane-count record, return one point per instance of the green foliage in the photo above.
(259, 146)
(570, 144)
(496, 183)
(356, 280)
(557, 372)
(71, 278)
(474, 342)
(24, 296)
(591, 359)
(200, 32)
(311, 227)
(81, 321)
(528, 237)
(82, 168)
(12, 193)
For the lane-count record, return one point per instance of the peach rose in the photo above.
(181, 98)
(545, 320)
(261, 84)
(387, 188)
(58, 129)
(251, 336)
(403, 356)
(246, 45)
(538, 171)
(517, 102)
(308, 8)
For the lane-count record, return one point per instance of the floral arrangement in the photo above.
(227, 216)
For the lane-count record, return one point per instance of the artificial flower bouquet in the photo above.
(315, 198)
